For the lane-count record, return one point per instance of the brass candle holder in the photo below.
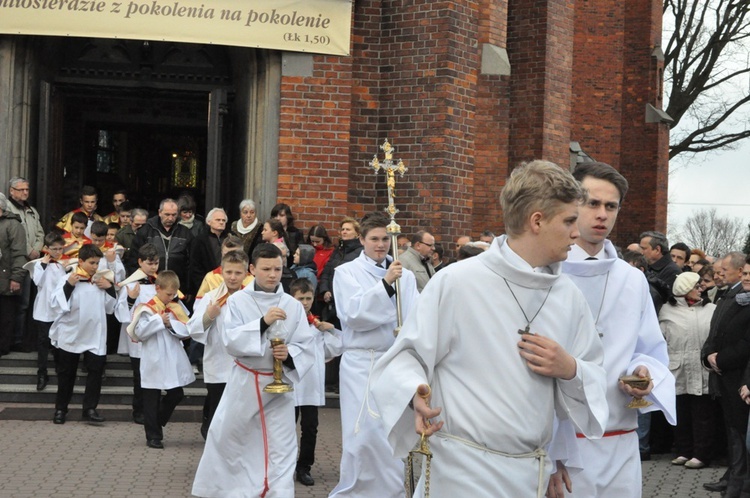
(637, 383)
(278, 386)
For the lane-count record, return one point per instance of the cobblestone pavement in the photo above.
(40, 459)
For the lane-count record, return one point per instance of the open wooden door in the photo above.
(49, 171)
(215, 181)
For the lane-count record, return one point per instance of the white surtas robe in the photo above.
(631, 336)
(368, 319)
(217, 364)
(461, 339)
(164, 362)
(116, 266)
(80, 324)
(247, 437)
(311, 389)
(46, 280)
(124, 315)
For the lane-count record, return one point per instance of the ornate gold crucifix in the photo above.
(391, 167)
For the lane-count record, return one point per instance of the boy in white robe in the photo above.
(161, 326)
(252, 442)
(46, 273)
(213, 279)
(80, 305)
(110, 260)
(309, 392)
(206, 327)
(620, 302)
(365, 296)
(505, 342)
(137, 289)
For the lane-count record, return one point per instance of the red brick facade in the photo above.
(580, 71)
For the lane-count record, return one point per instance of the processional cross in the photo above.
(390, 167)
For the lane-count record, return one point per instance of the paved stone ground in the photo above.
(40, 459)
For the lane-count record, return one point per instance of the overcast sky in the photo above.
(715, 179)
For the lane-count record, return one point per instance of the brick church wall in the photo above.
(579, 71)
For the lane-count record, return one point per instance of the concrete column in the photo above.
(17, 104)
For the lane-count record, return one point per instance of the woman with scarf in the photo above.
(248, 228)
(685, 322)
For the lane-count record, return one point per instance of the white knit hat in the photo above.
(684, 283)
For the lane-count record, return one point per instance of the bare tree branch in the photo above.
(706, 62)
(703, 138)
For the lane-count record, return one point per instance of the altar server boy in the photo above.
(46, 272)
(80, 305)
(366, 303)
(252, 443)
(137, 289)
(309, 392)
(214, 278)
(206, 327)
(161, 325)
(75, 238)
(110, 259)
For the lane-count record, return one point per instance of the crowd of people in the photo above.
(549, 318)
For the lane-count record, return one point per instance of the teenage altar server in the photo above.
(505, 342)
(365, 295)
(206, 327)
(624, 315)
(252, 442)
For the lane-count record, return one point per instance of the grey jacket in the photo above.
(12, 251)
(412, 260)
(32, 225)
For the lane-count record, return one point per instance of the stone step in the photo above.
(18, 383)
(119, 395)
(113, 413)
(16, 359)
(113, 376)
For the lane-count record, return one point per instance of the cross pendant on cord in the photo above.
(524, 331)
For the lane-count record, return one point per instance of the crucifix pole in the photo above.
(391, 167)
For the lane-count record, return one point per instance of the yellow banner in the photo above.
(319, 26)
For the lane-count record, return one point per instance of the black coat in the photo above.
(664, 270)
(173, 247)
(729, 337)
(205, 256)
(348, 250)
(292, 240)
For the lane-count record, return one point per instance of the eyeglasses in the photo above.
(428, 245)
(19, 189)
